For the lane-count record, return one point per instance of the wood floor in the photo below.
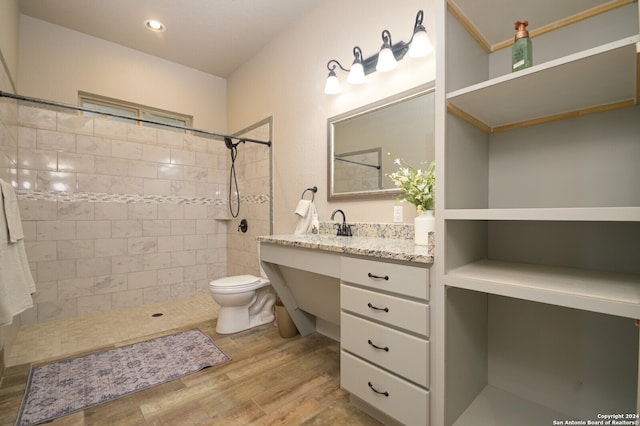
(270, 381)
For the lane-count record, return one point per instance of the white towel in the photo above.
(304, 222)
(303, 208)
(11, 212)
(16, 282)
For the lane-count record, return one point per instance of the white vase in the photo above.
(423, 224)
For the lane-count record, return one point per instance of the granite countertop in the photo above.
(384, 248)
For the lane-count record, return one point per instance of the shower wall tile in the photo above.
(74, 123)
(55, 230)
(75, 249)
(169, 244)
(93, 304)
(41, 250)
(110, 283)
(128, 150)
(142, 245)
(93, 229)
(79, 163)
(38, 118)
(93, 145)
(55, 141)
(155, 261)
(110, 129)
(75, 211)
(95, 267)
(117, 215)
(126, 228)
(141, 133)
(156, 294)
(111, 211)
(55, 181)
(126, 299)
(26, 138)
(125, 264)
(35, 159)
(31, 210)
(93, 183)
(110, 246)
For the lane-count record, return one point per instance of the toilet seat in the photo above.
(236, 284)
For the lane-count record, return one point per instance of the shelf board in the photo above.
(595, 214)
(494, 406)
(602, 77)
(543, 16)
(604, 292)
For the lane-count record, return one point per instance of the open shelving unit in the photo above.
(540, 213)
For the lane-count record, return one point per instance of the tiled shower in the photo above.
(118, 215)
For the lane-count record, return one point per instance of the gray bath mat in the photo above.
(63, 387)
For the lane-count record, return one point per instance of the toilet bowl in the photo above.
(246, 301)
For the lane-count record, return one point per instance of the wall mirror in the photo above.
(359, 142)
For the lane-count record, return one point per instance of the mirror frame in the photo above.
(332, 121)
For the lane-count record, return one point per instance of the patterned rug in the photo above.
(74, 384)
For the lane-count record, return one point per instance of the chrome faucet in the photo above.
(344, 230)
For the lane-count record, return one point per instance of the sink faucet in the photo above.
(344, 230)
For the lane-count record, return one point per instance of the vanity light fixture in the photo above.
(154, 25)
(356, 75)
(420, 44)
(385, 60)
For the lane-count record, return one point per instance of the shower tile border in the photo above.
(99, 197)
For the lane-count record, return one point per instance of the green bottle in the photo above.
(522, 51)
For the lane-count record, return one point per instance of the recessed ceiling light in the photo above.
(154, 25)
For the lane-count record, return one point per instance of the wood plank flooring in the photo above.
(270, 381)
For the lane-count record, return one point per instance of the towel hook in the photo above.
(313, 190)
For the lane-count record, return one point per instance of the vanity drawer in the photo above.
(403, 313)
(394, 350)
(401, 279)
(404, 401)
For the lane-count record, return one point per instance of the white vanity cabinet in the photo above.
(539, 214)
(384, 337)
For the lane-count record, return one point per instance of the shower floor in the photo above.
(51, 339)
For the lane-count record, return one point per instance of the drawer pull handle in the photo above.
(377, 391)
(378, 277)
(376, 308)
(386, 348)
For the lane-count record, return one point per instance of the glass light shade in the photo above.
(386, 60)
(333, 85)
(356, 75)
(420, 45)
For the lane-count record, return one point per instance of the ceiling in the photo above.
(213, 36)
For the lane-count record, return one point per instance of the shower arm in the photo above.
(143, 120)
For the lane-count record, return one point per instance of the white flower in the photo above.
(418, 184)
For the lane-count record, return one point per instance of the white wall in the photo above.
(55, 63)
(9, 43)
(287, 80)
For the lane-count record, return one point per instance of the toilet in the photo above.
(246, 301)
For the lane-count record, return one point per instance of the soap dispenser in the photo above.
(522, 51)
(315, 224)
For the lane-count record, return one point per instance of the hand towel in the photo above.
(11, 212)
(304, 222)
(303, 208)
(16, 282)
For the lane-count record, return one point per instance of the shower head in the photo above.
(228, 142)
